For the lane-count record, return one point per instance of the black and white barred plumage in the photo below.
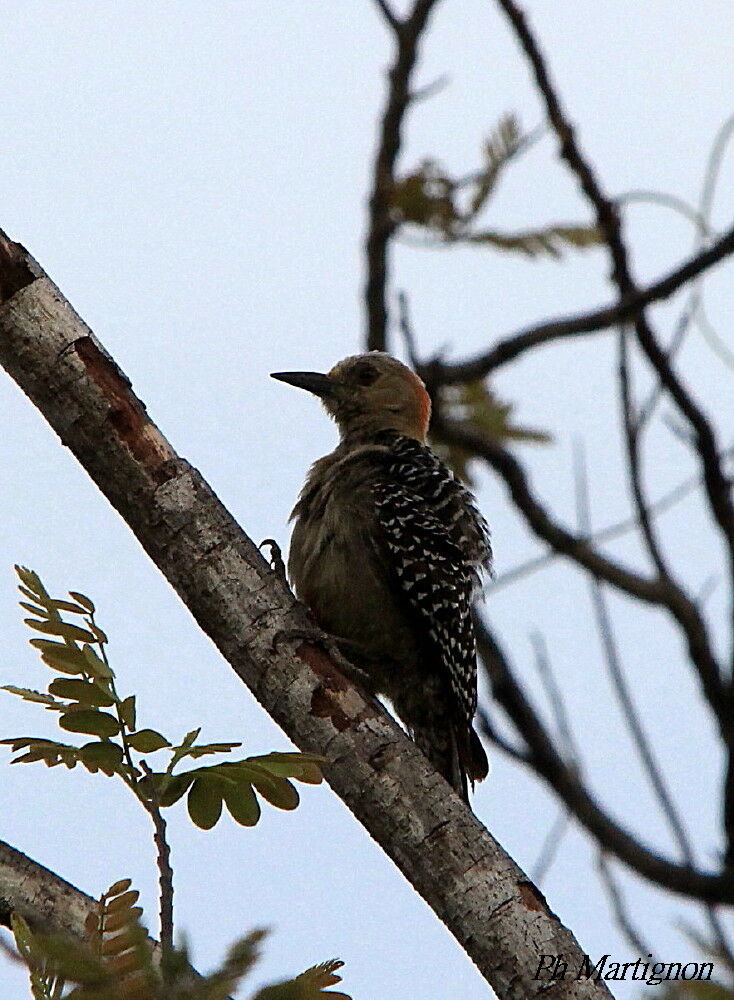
(439, 544)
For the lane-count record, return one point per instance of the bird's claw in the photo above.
(331, 644)
(276, 558)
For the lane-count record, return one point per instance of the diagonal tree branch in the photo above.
(486, 901)
(407, 35)
(43, 898)
(439, 372)
(46, 901)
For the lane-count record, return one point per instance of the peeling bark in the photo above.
(473, 886)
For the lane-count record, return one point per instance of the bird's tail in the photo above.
(459, 758)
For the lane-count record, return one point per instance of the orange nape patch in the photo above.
(424, 402)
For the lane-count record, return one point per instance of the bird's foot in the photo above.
(276, 559)
(333, 645)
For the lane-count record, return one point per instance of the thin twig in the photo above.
(549, 847)
(407, 35)
(488, 729)
(555, 698)
(619, 909)
(406, 329)
(146, 793)
(165, 871)
(387, 13)
(552, 840)
(619, 683)
(666, 200)
(630, 427)
(616, 530)
(613, 662)
(566, 782)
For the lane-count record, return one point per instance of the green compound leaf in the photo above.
(147, 741)
(117, 888)
(60, 656)
(72, 633)
(33, 582)
(550, 241)
(28, 695)
(85, 692)
(41, 612)
(107, 756)
(310, 985)
(96, 665)
(205, 802)
(242, 804)
(304, 767)
(209, 748)
(278, 792)
(90, 721)
(85, 602)
(176, 787)
(128, 712)
(49, 751)
(72, 608)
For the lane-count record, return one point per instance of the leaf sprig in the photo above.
(87, 702)
(116, 960)
(448, 208)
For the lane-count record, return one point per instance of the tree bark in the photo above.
(40, 896)
(471, 883)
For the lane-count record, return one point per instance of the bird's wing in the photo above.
(435, 579)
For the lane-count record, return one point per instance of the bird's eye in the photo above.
(366, 375)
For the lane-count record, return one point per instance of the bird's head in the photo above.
(368, 393)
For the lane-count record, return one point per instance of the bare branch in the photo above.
(474, 887)
(381, 227)
(718, 487)
(389, 16)
(616, 530)
(564, 779)
(41, 897)
(579, 550)
(619, 908)
(440, 372)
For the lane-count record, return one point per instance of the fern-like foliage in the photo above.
(84, 695)
(118, 961)
(447, 208)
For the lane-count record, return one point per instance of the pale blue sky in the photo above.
(193, 176)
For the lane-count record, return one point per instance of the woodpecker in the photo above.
(387, 551)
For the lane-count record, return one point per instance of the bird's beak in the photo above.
(319, 385)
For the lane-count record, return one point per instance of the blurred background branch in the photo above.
(471, 425)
